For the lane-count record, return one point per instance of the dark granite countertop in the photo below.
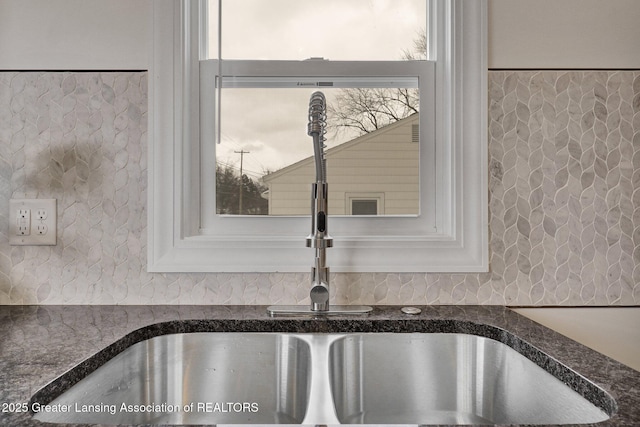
(38, 344)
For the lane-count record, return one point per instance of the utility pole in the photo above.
(242, 153)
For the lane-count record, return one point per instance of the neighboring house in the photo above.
(374, 174)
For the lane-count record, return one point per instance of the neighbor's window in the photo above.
(267, 57)
(364, 207)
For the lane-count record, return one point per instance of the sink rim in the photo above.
(574, 380)
(43, 342)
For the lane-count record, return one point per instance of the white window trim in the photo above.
(175, 243)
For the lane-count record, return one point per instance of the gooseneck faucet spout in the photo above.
(317, 130)
(319, 238)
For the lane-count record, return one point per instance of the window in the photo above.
(446, 232)
(369, 58)
(300, 29)
(364, 207)
(263, 139)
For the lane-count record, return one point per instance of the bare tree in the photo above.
(419, 47)
(228, 184)
(368, 109)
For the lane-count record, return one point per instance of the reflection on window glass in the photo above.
(264, 139)
(302, 29)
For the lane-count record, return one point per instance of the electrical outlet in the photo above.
(41, 229)
(23, 222)
(32, 222)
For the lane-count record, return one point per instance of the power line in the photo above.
(257, 175)
(242, 153)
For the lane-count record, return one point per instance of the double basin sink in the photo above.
(286, 378)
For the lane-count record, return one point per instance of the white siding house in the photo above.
(375, 174)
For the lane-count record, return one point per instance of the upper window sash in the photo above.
(301, 29)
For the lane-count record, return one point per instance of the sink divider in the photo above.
(320, 408)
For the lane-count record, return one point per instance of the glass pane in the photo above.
(264, 138)
(331, 29)
(364, 207)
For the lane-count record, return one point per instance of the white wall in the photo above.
(75, 34)
(564, 34)
(611, 331)
(590, 34)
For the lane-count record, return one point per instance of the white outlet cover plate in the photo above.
(33, 238)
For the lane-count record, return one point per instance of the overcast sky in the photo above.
(271, 124)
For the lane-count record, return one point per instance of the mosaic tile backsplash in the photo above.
(564, 199)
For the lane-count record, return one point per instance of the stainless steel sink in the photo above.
(229, 378)
(447, 379)
(275, 378)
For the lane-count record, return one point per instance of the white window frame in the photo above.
(456, 242)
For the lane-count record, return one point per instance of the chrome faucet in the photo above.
(319, 238)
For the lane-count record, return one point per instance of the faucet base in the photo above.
(301, 310)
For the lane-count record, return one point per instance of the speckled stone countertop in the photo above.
(40, 344)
